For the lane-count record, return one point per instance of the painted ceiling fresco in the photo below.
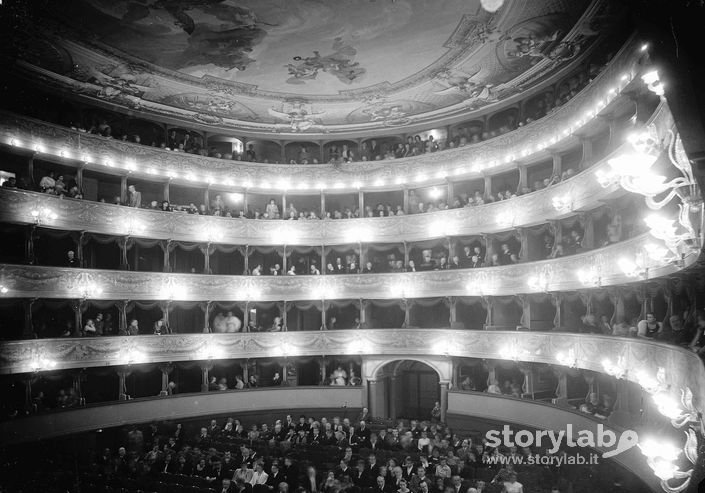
(307, 64)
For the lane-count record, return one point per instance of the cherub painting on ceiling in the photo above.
(339, 63)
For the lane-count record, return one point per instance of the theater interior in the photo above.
(352, 246)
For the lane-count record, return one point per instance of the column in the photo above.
(166, 369)
(29, 244)
(79, 177)
(207, 318)
(165, 190)
(323, 260)
(452, 307)
(557, 302)
(562, 388)
(122, 388)
(361, 202)
(323, 316)
(586, 160)
(489, 249)
(284, 262)
(489, 306)
(407, 313)
(247, 260)
(488, 186)
(284, 374)
(322, 364)
(525, 302)
(491, 372)
(406, 254)
(451, 189)
(557, 164)
(165, 307)
(283, 209)
(207, 197)
(28, 329)
(246, 317)
(30, 170)
(556, 228)
(371, 394)
(205, 368)
(283, 312)
(364, 318)
(166, 247)
(614, 140)
(283, 152)
(79, 249)
(77, 381)
(123, 190)
(523, 177)
(245, 206)
(28, 401)
(323, 204)
(245, 371)
(524, 242)
(206, 258)
(77, 307)
(444, 400)
(406, 200)
(528, 371)
(122, 315)
(588, 223)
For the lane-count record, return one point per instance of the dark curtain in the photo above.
(14, 239)
(429, 313)
(51, 246)
(507, 312)
(187, 258)
(227, 264)
(185, 317)
(471, 312)
(101, 252)
(386, 315)
(144, 381)
(12, 320)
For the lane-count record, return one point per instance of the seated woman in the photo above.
(160, 327)
(89, 329)
(339, 377)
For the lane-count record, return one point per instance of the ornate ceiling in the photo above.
(314, 66)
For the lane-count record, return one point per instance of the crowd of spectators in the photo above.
(310, 455)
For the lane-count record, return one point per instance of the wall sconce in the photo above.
(680, 413)
(134, 226)
(590, 277)
(505, 219)
(541, 280)
(513, 351)
(617, 370)
(209, 351)
(359, 346)
(129, 355)
(567, 359)
(660, 456)
(3, 289)
(650, 384)
(90, 290)
(653, 82)
(212, 234)
(284, 350)
(39, 362)
(563, 203)
(42, 215)
(171, 290)
(633, 268)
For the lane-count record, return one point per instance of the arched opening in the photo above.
(406, 389)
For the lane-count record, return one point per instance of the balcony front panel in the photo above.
(534, 208)
(559, 274)
(496, 153)
(41, 427)
(683, 369)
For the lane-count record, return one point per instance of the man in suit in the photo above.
(275, 477)
(290, 473)
(226, 486)
(361, 477)
(408, 469)
(372, 466)
(343, 471)
(381, 486)
(374, 444)
(135, 197)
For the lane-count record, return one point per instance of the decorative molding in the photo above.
(683, 369)
(95, 217)
(57, 282)
(489, 155)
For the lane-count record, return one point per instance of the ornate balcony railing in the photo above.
(494, 155)
(561, 274)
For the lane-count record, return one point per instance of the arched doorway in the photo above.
(405, 389)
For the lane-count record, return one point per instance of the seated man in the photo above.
(649, 328)
(675, 332)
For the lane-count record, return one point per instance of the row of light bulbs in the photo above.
(287, 183)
